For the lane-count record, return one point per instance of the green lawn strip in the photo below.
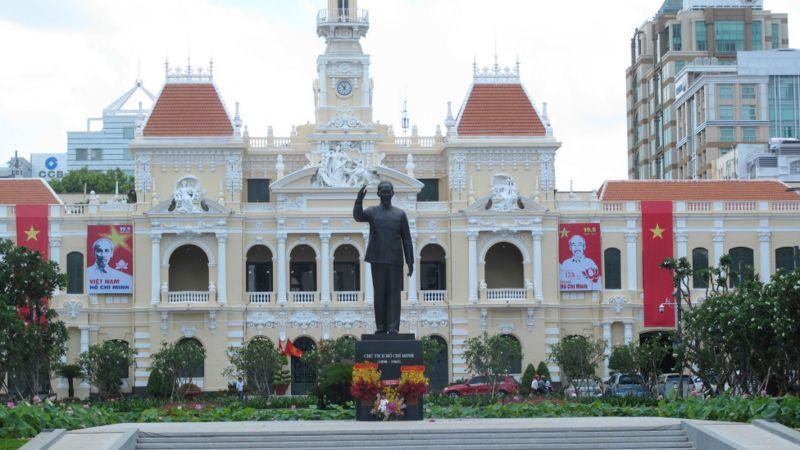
(12, 444)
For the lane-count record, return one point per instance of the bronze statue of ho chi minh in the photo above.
(389, 243)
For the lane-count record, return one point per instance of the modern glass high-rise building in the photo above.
(681, 32)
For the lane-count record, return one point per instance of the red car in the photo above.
(479, 386)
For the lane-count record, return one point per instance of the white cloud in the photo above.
(573, 55)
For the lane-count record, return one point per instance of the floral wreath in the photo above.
(388, 398)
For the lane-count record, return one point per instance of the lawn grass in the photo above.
(12, 444)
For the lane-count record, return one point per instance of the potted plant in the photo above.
(366, 382)
(413, 384)
(281, 380)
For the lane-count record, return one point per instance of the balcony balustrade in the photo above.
(260, 297)
(303, 297)
(188, 297)
(347, 296)
(433, 297)
(506, 294)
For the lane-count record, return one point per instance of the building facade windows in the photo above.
(748, 92)
(776, 36)
(748, 112)
(75, 273)
(676, 37)
(432, 268)
(726, 112)
(787, 258)
(699, 266)
(727, 134)
(259, 269)
(783, 106)
(346, 269)
(612, 271)
(127, 133)
(700, 36)
(794, 168)
(728, 36)
(755, 34)
(741, 265)
(749, 134)
(303, 269)
(725, 91)
(257, 190)
(430, 190)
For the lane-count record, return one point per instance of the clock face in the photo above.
(344, 88)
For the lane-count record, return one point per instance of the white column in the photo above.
(628, 333)
(607, 338)
(281, 272)
(680, 239)
(473, 266)
(369, 293)
(719, 247)
(323, 85)
(412, 280)
(764, 254)
(325, 269)
(630, 257)
(55, 254)
(155, 270)
(222, 269)
(537, 264)
(365, 100)
(84, 348)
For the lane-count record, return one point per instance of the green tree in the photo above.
(492, 357)
(99, 182)
(543, 371)
(332, 363)
(257, 361)
(36, 339)
(176, 363)
(622, 359)
(644, 359)
(578, 358)
(106, 364)
(70, 372)
(527, 378)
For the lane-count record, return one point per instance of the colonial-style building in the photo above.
(236, 236)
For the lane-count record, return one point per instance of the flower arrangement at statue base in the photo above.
(366, 382)
(389, 405)
(413, 384)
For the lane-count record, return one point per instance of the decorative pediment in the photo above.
(484, 205)
(304, 181)
(188, 198)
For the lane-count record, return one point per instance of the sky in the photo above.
(66, 60)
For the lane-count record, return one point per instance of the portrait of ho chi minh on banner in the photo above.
(579, 257)
(109, 259)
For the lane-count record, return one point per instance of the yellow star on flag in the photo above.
(119, 240)
(33, 234)
(564, 232)
(658, 232)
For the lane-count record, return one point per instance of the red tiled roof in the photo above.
(26, 191)
(695, 190)
(192, 109)
(499, 110)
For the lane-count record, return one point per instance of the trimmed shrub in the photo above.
(525, 382)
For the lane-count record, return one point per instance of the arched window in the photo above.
(504, 267)
(699, 266)
(188, 269)
(516, 364)
(303, 375)
(741, 265)
(303, 269)
(197, 371)
(75, 273)
(611, 268)
(787, 258)
(432, 268)
(346, 269)
(259, 269)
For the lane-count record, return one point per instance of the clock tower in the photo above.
(344, 135)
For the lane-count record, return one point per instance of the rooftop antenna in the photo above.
(496, 66)
(404, 117)
(138, 70)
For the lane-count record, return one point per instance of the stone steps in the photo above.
(662, 438)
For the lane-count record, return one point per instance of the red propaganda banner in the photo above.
(579, 255)
(656, 246)
(32, 228)
(110, 259)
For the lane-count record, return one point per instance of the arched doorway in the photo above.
(504, 268)
(346, 272)
(303, 376)
(437, 364)
(188, 269)
(197, 371)
(516, 364)
(432, 274)
(665, 338)
(259, 274)
(303, 269)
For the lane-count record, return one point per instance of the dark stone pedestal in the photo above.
(390, 351)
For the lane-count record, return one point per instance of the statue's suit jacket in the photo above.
(388, 231)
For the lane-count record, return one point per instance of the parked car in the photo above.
(479, 386)
(668, 385)
(622, 384)
(584, 388)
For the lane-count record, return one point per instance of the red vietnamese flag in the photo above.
(656, 246)
(32, 228)
(290, 350)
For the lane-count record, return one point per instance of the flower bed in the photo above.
(26, 420)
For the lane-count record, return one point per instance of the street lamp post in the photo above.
(676, 304)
